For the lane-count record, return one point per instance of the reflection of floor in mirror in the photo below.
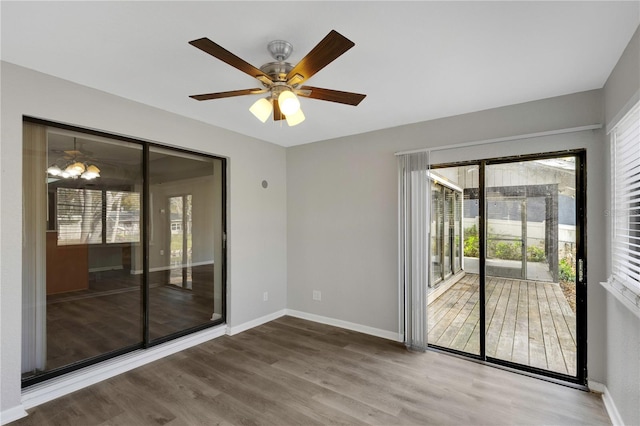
(108, 316)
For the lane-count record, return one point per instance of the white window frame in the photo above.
(624, 281)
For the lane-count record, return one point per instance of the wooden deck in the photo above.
(528, 322)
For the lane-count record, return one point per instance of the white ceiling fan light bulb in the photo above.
(262, 109)
(288, 102)
(54, 170)
(91, 173)
(75, 169)
(295, 118)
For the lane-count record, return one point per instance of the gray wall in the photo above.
(342, 207)
(257, 216)
(622, 89)
(621, 92)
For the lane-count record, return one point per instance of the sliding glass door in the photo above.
(123, 246)
(519, 299)
(532, 255)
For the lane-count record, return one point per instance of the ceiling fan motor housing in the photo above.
(277, 70)
(280, 50)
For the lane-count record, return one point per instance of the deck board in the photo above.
(527, 322)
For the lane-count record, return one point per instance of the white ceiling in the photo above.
(416, 61)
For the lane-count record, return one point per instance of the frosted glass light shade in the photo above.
(288, 102)
(91, 173)
(262, 109)
(75, 169)
(295, 118)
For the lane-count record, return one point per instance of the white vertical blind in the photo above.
(34, 248)
(413, 203)
(626, 206)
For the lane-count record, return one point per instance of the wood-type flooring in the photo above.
(528, 322)
(295, 372)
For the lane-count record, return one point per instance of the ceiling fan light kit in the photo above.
(74, 166)
(281, 80)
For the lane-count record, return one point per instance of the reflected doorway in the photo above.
(180, 248)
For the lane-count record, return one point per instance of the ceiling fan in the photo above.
(282, 81)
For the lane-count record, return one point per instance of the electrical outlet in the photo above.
(317, 295)
(161, 252)
(265, 296)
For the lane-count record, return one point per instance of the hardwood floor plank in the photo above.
(435, 322)
(456, 317)
(537, 353)
(504, 326)
(521, 337)
(361, 413)
(565, 337)
(336, 381)
(496, 320)
(555, 359)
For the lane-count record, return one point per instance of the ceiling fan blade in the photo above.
(218, 95)
(338, 96)
(224, 55)
(277, 114)
(325, 52)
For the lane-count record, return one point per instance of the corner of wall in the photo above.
(12, 414)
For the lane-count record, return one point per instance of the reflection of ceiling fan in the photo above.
(281, 80)
(75, 163)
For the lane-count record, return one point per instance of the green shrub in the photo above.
(508, 251)
(567, 270)
(471, 246)
(471, 242)
(535, 254)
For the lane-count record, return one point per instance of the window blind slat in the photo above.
(79, 216)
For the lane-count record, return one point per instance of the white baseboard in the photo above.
(169, 268)
(63, 385)
(12, 414)
(609, 404)
(612, 410)
(347, 325)
(256, 322)
(106, 268)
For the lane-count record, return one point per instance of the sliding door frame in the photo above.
(146, 341)
(581, 255)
